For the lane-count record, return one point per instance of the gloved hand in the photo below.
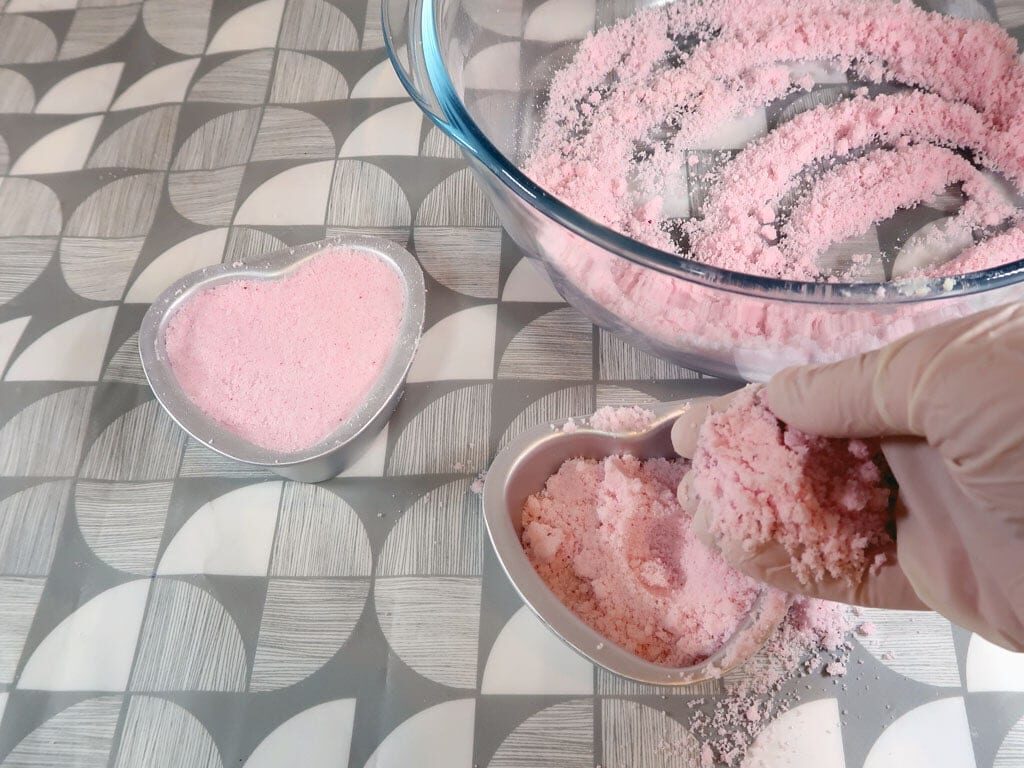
(949, 405)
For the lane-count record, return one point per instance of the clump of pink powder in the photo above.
(283, 363)
(611, 541)
(825, 500)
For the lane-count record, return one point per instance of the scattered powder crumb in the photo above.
(622, 419)
(867, 628)
(888, 656)
(825, 500)
(458, 467)
(477, 486)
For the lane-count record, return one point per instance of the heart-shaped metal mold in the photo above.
(521, 470)
(331, 455)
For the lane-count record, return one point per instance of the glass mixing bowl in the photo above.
(480, 70)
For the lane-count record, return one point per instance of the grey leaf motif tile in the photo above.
(432, 624)
(561, 404)
(437, 144)
(557, 345)
(457, 202)
(24, 39)
(1011, 751)
(18, 600)
(439, 535)
(125, 365)
(142, 444)
(93, 29)
(79, 736)
(637, 734)
(452, 430)
(16, 92)
(917, 644)
(240, 80)
(620, 361)
(30, 523)
(144, 142)
(158, 733)
(301, 78)
(180, 25)
(188, 642)
(247, 242)
(461, 258)
(292, 134)
(22, 260)
(98, 268)
(206, 197)
(364, 195)
(305, 622)
(315, 25)
(318, 534)
(224, 141)
(45, 438)
(561, 735)
(30, 208)
(122, 522)
(135, 198)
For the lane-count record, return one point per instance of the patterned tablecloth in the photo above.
(160, 606)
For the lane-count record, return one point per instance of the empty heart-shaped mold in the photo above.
(329, 456)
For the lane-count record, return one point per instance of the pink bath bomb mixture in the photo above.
(611, 541)
(825, 500)
(622, 116)
(283, 363)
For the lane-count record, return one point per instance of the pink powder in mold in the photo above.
(611, 541)
(825, 500)
(283, 363)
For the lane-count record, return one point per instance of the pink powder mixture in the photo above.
(825, 500)
(621, 116)
(284, 363)
(611, 541)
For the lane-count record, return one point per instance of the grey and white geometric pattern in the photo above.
(163, 607)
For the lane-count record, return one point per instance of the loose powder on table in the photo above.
(825, 500)
(283, 363)
(623, 116)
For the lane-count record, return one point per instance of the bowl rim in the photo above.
(456, 122)
(272, 267)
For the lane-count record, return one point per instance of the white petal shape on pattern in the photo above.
(442, 351)
(530, 282)
(124, 365)
(88, 90)
(93, 648)
(318, 737)
(991, 668)
(438, 737)
(161, 734)
(933, 735)
(561, 735)
(79, 736)
(65, 149)
(165, 85)
(371, 463)
(778, 746)
(135, 198)
(557, 20)
(392, 131)
(381, 82)
(432, 624)
(916, 644)
(180, 25)
(19, 599)
(24, 39)
(206, 197)
(16, 92)
(735, 133)
(527, 658)
(251, 28)
(3, 705)
(194, 253)
(10, 332)
(502, 16)
(296, 196)
(73, 351)
(494, 68)
(231, 535)
(457, 201)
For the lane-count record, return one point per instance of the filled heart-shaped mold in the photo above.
(294, 362)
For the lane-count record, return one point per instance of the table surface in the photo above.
(161, 606)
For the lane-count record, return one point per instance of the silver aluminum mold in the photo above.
(521, 470)
(330, 456)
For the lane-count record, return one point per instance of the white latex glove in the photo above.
(949, 405)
